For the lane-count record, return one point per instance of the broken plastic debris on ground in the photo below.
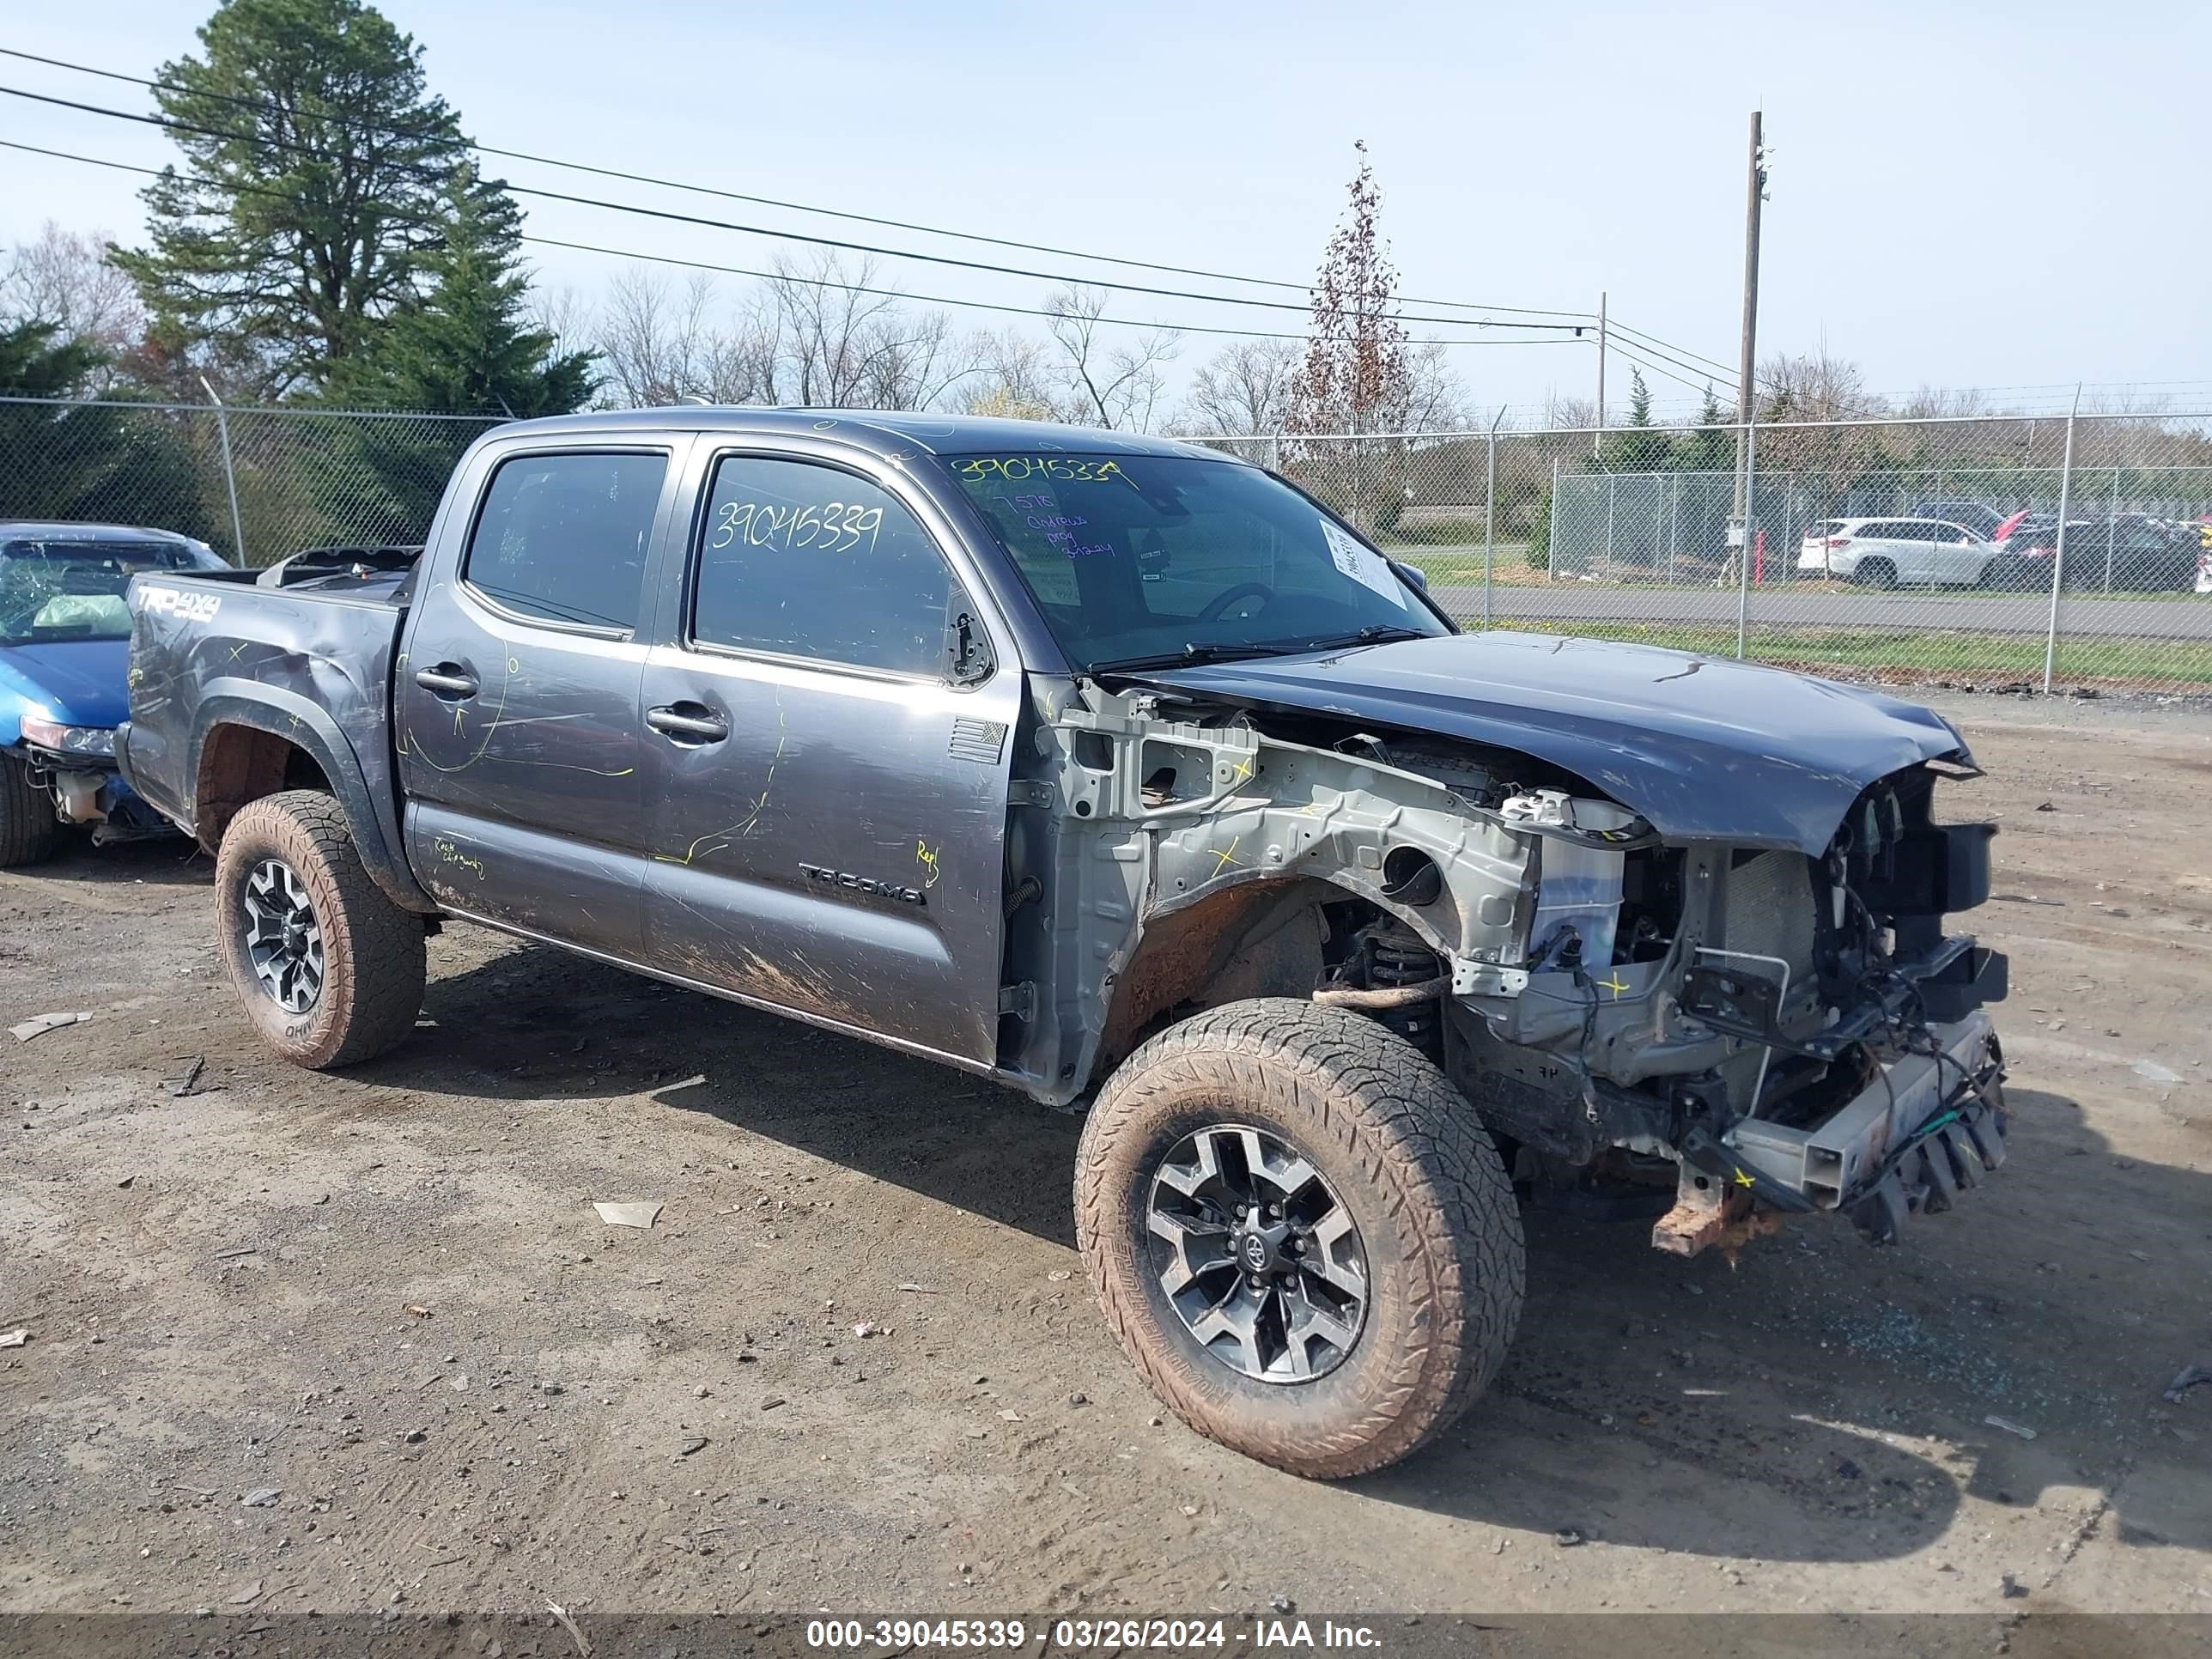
(39, 1024)
(627, 1215)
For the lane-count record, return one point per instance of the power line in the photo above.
(1633, 348)
(981, 305)
(762, 201)
(1654, 339)
(769, 201)
(782, 276)
(1643, 363)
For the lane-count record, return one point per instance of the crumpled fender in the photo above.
(1704, 748)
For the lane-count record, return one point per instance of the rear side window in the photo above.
(801, 560)
(562, 538)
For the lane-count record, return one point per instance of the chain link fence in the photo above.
(257, 485)
(1994, 551)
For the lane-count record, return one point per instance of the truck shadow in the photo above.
(1822, 1399)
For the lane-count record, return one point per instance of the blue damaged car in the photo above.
(65, 662)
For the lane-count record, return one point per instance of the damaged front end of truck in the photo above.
(1669, 956)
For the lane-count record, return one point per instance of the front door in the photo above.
(830, 735)
(517, 723)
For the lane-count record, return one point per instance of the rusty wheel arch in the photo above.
(239, 764)
(1257, 938)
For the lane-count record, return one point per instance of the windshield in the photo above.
(1140, 559)
(75, 590)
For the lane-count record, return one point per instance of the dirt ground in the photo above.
(300, 1341)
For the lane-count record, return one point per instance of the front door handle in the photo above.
(446, 679)
(688, 722)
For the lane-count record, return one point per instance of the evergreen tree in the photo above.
(84, 461)
(315, 161)
(466, 347)
(1711, 448)
(1641, 449)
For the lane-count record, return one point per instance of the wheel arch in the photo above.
(1258, 935)
(247, 747)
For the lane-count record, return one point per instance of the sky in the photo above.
(1963, 195)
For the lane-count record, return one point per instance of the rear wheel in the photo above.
(329, 970)
(29, 831)
(1301, 1235)
(1876, 572)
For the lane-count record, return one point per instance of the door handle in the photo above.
(688, 722)
(446, 679)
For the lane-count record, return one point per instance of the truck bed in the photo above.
(310, 661)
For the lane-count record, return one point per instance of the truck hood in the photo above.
(78, 682)
(1704, 748)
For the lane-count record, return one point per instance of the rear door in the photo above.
(1955, 555)
(518, 724)
(1893, 539)
(826, 780)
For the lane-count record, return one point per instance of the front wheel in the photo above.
(29, 831)
(1301, 1234)
(329, 970)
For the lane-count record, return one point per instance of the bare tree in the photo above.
(63, 278)
(839, 347)
(650, 336)
(1013, 376)
(1813, 405)
(1435, 398)
(1117, 386)
(1243, 390)
(565, 314)
(1814, 386)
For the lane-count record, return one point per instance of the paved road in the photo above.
(1975, 613)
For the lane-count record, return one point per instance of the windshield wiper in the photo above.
(1386, 634)
(1190, 656)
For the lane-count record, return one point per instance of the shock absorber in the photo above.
(1396, 955)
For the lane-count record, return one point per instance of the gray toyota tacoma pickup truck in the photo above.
(1126, 775)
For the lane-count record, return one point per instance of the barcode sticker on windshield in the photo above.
(1362, 564)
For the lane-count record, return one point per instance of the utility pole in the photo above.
(1746, 393)
(1597, 438)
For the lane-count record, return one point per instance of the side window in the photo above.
(803, 560)
(563, 537)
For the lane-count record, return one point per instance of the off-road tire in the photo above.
(1875, 572)
(29, 831)
(1406, 1154)
(374, 958)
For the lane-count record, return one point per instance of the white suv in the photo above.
(1885, 552)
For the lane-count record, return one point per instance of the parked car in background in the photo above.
(1978, 517)
(2133, 553)
(1896, 552)
(2028, 519)
(65, 661)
